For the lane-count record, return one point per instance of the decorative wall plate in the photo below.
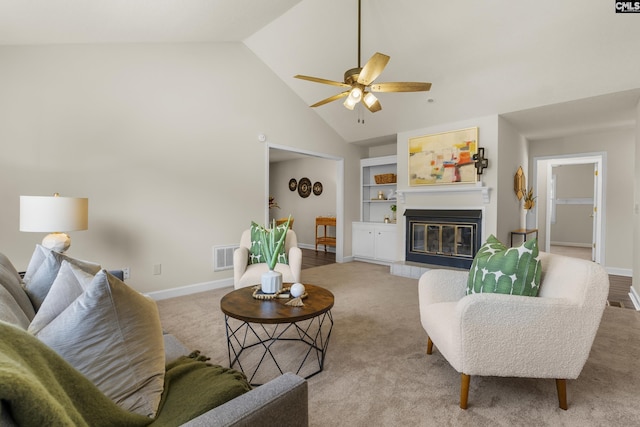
(293, 184)
(304, 187)
(317, 188)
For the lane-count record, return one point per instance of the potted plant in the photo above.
(271, 242)
(393, 209)
(529, 199)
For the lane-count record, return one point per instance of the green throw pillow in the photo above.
(255, 255)
(498, 269)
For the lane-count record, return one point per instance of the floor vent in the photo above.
(223, 257)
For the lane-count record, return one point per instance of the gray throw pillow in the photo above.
(10, 279)
(10, 310)
(111, 334)
(43, 269)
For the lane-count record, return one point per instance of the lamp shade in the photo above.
(53, 213)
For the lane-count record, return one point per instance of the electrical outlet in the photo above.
(157, 269)
(125, 273)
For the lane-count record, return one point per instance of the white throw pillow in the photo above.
(112, 335)
(68, 285)
(43, 269)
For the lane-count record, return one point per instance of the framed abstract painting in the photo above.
(443, 158)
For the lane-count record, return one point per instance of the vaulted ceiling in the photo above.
(548, 66)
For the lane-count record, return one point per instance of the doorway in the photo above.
(306, 214)
(571, 206)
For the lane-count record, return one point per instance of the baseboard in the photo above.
(571, 244)
(635, 298)
(190, 289)
(331, 249)
(627, 272)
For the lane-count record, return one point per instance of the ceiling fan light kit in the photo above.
(359, 82)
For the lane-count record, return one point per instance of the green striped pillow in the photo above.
(498, 269)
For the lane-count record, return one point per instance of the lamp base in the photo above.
(58, 242)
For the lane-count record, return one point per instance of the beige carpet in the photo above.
(377, 373)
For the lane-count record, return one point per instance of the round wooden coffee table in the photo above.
(278, 338)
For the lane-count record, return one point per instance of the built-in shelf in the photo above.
(452, 188)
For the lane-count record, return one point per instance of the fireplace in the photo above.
(444, 237)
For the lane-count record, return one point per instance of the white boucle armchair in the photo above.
(548, 336)
(245, 274)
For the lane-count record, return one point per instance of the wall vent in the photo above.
(223, 257)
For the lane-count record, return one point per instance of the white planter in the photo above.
(531, 220)
(271, 282)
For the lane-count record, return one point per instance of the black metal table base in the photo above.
(257, 340)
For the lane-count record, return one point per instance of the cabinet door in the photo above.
(385, 243)
(363, 241)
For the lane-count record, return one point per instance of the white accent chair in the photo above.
(245, 274)
(549, 336)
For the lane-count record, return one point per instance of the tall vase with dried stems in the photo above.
(270, 247)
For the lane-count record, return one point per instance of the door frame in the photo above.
(599, 161)
(339, 190)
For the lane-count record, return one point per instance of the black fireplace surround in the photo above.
(446, 237)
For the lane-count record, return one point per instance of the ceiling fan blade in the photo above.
(401, 87)
(331, 98)
(373, 68)
(323, 81)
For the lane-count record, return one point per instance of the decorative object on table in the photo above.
(283, 293)
(273, 203)
(381, 195)
(519, 183)
(297, 290)
(317, 188)
(529, 199)
(385, 178)
(293, 184)
(480, 162)
(295, 302)
(55, 215)
(443, 158)
(271, 242)
(304, 187)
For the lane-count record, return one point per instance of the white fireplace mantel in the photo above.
(444, 189)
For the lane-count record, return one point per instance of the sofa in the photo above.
(71, 380)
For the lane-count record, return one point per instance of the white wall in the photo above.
(304, 210)
(162, 139)
(511, 155)
(619, 145)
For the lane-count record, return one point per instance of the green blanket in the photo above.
(42, 389)
(192, 387)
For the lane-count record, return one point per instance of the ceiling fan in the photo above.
(359, 80)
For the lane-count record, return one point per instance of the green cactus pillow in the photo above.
(255, 255)
(498, 269)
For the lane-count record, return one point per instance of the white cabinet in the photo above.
(374, 242)
(372, 207)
